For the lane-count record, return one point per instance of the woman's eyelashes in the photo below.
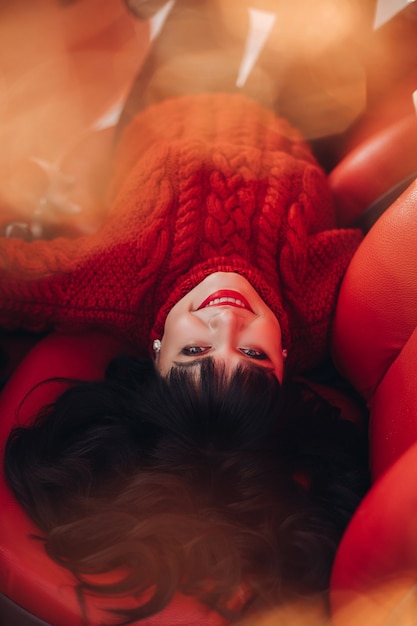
(251, 353)
(195, 350)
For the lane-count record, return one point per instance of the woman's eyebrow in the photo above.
(197, 362)
(194, 362)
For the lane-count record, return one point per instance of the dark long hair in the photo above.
(190, 483)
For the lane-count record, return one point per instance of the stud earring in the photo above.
(156, 345)
(284, 354)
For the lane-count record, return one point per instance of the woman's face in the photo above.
(224, 318)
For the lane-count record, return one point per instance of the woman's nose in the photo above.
(226, 319)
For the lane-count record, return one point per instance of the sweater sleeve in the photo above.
(31, 275)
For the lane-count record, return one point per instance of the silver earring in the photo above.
(156, 345)
(284, 354)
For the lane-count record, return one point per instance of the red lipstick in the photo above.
(226, 293)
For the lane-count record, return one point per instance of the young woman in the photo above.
(219, 257)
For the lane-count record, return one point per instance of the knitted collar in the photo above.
(236, 264)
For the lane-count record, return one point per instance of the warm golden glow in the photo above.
(306, 612)
(392, 602)
(311, 54)
(62, 66)
(301, 26)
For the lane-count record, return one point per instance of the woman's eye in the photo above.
(194, 350)
(253, 353)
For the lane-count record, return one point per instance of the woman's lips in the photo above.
(226, 297)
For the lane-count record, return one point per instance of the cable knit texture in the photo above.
(201, 183)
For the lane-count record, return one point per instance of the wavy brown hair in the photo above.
(190, 483)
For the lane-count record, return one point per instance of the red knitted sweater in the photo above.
(201, 183)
